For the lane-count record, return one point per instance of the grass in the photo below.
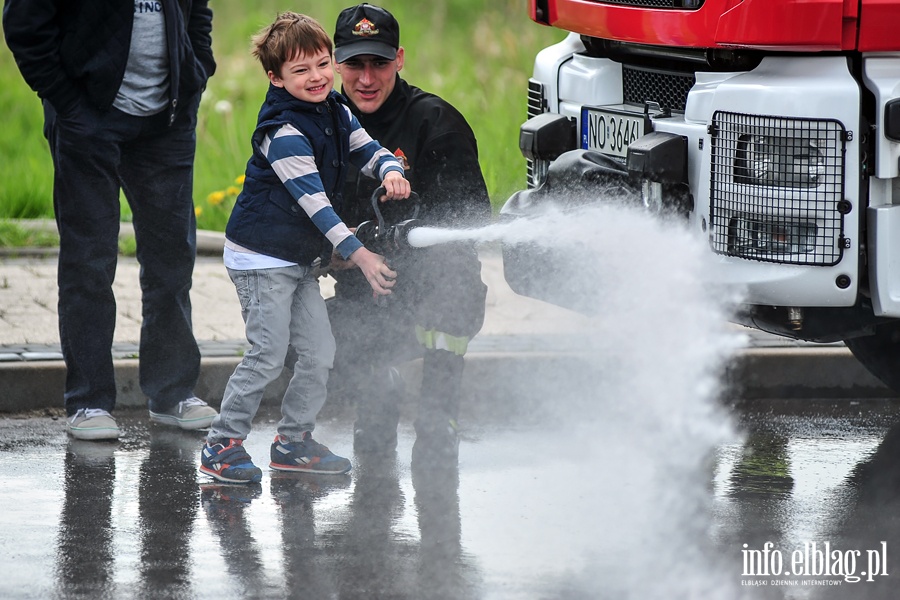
(477, 54)
(39, 234)
(15, 235)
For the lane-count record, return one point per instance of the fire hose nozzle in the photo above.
(401, 233)
(389, 240)
(385, 239)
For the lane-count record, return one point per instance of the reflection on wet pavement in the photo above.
(84, 545)
(804, 481)
(135, 519)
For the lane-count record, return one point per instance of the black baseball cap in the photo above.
(366, 29)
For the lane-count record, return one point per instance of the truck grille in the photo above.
(776, 189)
(669, 89)
(536, 169)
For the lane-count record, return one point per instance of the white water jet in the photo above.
(544, 229)
(636, 421)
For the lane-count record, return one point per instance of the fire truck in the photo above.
(771, 126)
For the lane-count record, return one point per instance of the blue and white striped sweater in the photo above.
(291, 155)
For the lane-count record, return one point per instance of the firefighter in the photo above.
(439, 297)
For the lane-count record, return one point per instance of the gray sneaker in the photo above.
(92, 424)
(192, 413)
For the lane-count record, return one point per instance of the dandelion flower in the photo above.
(198, 210)
(233, 190)
(216, 198)
(240, 179)
(223, 107)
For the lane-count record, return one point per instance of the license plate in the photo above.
(609, 131)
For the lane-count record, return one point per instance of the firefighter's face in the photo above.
(368, 80)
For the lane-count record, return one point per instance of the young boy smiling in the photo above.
(284, 219)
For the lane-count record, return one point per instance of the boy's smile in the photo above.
(306, 77)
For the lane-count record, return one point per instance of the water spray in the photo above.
(635, 404)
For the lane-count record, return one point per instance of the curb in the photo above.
(767, 373)
(806, 372)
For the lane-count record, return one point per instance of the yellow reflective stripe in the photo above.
(438, 340)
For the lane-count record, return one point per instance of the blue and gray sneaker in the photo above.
(308, 456)
(229, 463)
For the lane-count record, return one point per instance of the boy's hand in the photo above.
(378, 274)
(396, 186)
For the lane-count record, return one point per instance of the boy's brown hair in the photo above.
(290, 35)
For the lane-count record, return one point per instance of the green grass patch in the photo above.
(476, 54)
(15, 235)
(42, 234)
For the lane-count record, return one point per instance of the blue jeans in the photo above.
(279, 306)
(95, 156)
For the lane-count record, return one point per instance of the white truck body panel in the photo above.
(816, 87)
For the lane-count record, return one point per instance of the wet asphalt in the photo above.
(521, 516)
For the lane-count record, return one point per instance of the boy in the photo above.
(283, 220)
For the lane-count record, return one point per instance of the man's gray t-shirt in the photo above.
(145, 87)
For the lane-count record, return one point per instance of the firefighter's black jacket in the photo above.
(440, 156)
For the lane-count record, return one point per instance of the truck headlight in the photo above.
(749, 237)
(778, 161)
(776, 191)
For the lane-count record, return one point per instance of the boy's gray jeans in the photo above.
(279, 306)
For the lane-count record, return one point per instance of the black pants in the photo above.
(95, 155)
(440, 290)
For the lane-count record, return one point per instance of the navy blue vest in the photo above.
(265, 218)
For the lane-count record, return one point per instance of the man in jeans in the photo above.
(121, 83)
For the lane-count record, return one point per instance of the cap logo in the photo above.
(365, 28)
(402, 157)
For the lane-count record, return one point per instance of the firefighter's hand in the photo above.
(395, 187)
(338, 263)
(378, 274)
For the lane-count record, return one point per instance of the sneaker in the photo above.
(192, 413)
(308, 456)
(230, 463)
(92, 424)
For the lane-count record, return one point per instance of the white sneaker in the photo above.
(192, 413)
(92, 424)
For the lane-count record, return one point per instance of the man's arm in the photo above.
(31, 29)
(200, 32)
